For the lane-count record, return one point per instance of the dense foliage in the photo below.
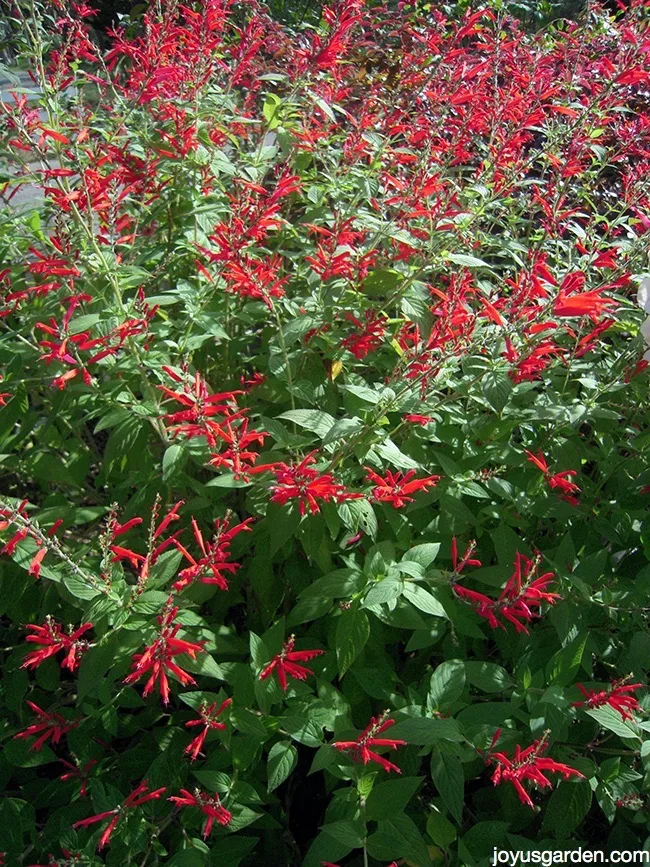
(324, 437)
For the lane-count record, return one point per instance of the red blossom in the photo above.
(616, 695)
(210, 568)
(158, 657)
(557, 481)
(50, 725)
(359, 749)
(137, 798)
(208, 719)
(571, 301)
(414, 418)
(209, 805)
(304, 483)
(520, 600)
(528, 766)
(285, 663)
(368, 336)
(77, 773)
(466, 559)
(53, 639)
(396, 487)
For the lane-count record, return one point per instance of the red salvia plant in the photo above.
(139, 796)
(617, 695)
(360, 749)
(286, 663)
(209, 805)
(528, 765)
(208, 719)
(520, 600)
(281, 304)
(158, 657)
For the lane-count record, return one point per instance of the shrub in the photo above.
(324, 437)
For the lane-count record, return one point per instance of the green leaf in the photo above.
(466, 260)
(449, 779)
(564, 665)
(96, 662)
(315, 420)
(349, 832)
(423, 600)
(425, 731)
(447, 683)
(270, 109)
(352, 633)
(398, 837)
(387, 799)
(20, 755)
(283, 758)
(79, 588)
(611, 720)
(172, 462)
(567, 807)
(487, 676)
(340, 583)
(440, 829)
(496, 387)
(424, 554)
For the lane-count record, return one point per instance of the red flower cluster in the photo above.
(77, 773)
(7, 518)
(208, 719)
(303, 483)
(53, 639)
(50, 725)
(396, 487)
(360, 748)
(209, 805)
(528, 766)
(143, 562)
(369, 334)
(466, 559)
(210, 568)
(196, 419)
(520, 600)
(217, 418)
(137, 798)
(285, 663)
(617, 696)
(158, 657)
(558, 481)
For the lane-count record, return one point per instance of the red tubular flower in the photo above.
(307, 485)
(53, 639)
(200, 406)
(528, 765)
(558, 481)
(208, 719)
(210, 568)
(396, 487)
(369, 334)
(236, 455)
(285, 663)
(76, 773)
(137, 798)
(50, 725)
(158, 657)
(359, 749)
(616, 696)
(466, 559)
(591, 303)
(209, 805)
(520, 600)
(414, 418)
